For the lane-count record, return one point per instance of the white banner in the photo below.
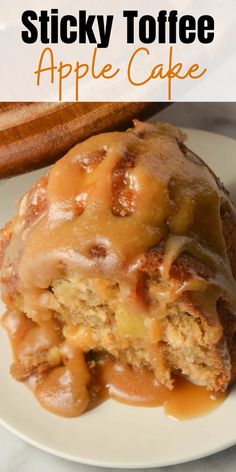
(110, 50)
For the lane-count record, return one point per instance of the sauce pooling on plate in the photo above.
(70, 388)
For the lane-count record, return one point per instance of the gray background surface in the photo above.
(15, 455)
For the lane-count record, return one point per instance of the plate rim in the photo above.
(113, 465)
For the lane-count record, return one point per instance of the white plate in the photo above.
(116, 435)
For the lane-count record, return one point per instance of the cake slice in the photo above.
(124, 252)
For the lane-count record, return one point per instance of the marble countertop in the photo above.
(16, 455)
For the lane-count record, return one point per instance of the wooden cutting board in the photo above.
(34, 135)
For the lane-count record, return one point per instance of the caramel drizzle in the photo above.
(115, 196)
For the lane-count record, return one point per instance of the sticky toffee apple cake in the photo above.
(121, 261)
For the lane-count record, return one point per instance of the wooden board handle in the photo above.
(34, 135)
